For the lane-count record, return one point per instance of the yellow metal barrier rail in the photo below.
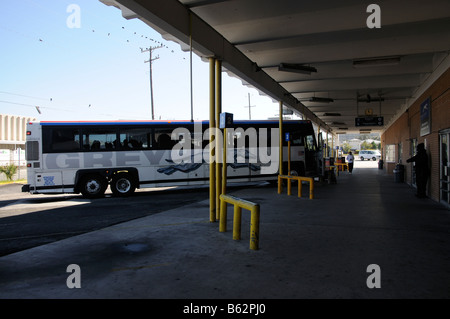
(289, 179)
(238, 205)
(342, 165)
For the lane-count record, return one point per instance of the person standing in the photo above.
(421, 168)
(350, 160)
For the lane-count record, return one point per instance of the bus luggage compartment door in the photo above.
(49, 182)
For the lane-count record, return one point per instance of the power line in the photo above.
(40, 109)
(125, 34)
(27, 96)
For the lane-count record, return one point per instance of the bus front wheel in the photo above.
(122, 185)
(93, 186)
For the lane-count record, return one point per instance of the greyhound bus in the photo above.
(87, 157)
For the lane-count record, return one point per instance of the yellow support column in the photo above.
(281, 139)
(332, 146)
(223, 204)
(218, 133)
(328, 155)
(289, 158)
(212, 125)
(224, 162)
(280, 148)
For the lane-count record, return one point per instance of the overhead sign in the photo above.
(369, 121)
(287, 137)
(225, 120)
(425, 117)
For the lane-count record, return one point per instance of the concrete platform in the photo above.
(318, 248)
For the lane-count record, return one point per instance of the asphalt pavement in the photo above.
(28, 221)
(364, 237)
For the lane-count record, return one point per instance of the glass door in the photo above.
(444, 168)
(413, 152)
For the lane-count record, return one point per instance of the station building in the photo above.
(426, 121)
(12, 138)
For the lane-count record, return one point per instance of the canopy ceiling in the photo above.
(253, 37)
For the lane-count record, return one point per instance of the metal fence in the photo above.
(17, 158)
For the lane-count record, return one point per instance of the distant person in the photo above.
(350, 159)
(421, 168)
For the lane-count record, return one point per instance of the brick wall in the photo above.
(407, 127)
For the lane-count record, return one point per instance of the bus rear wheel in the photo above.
(122, 185)
(93, 186)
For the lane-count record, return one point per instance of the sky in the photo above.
(81, 60)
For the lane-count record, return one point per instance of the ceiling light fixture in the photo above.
(386, 61)
(369, 99)
(331, 114)
(296, 68)
(320, 99)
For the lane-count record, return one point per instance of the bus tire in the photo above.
(122, 185)
(93, 186)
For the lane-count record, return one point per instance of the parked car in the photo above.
(367, 154)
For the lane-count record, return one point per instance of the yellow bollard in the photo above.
(299, 179)
(299, 188)
(238, 205)
(254, 228)
(223, 216)
(237, 222)
(279, 185)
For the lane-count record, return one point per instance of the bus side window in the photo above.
(297, 139)
(163, 139)
(99, 139)
(310, 143)
(64, 140)
(135, 138)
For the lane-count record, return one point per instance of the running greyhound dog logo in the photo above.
(257, 155)
(191, 166)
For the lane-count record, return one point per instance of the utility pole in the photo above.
(150, 61)
(249, 107)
